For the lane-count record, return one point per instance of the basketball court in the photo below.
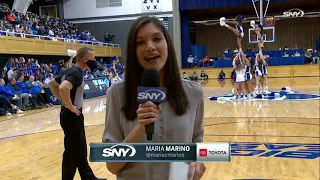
(269, 139)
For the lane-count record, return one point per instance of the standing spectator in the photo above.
(190, 61)
(196, 61)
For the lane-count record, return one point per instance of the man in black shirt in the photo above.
(69, 89)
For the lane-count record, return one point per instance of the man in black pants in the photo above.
(69, 88)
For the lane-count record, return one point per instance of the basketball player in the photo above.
(238, 30)
(258, 74)
(239, 78)
(69, 89)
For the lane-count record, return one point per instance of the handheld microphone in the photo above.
(150, 91)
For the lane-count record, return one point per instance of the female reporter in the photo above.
(179, 120)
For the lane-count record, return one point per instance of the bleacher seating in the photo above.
(30, 25)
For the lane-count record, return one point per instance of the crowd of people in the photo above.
(24, 82)
(31, 25)
(311, 56)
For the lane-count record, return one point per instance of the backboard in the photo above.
(268, 35)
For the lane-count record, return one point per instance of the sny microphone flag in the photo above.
(153, 94)
(160, 152)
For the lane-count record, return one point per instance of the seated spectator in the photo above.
(23, 88)
(308, 57)
(8, 94)
(221, 76)
(205, 61)
(286, 48)
(194, 76)
(114, 76)
(296, 54)
(315, 57)
(203, 75)
(11, 71)
(17, 92)
(88, 75)
(285, 54)
(100, 72)
(47, 80)
(6, 104)
(184, 76)
(35, 88)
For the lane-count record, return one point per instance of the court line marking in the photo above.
(7, 137)
(260, 135)
(52, 108)
(261, 121)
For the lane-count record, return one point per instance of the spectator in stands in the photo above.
(205, 61)
(47, 80)
(296, 54)
(308, 57)
(88, 75)
(285, 54)
(190, 61)
(35, 89)
(248, 49)
(24, 99)
(11, 71)
(315, 57)
(196, 61)
(6, 104)
(23, 88)
(100, 72)
(286, 48)
(8, 94)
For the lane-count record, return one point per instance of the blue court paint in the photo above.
(273, 96)
(276, 150)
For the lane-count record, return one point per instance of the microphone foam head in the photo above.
(71, 52)
(150, 78)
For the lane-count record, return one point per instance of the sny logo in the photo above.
(119, 150)
(293, 13)
(153, 94)
(203, 152)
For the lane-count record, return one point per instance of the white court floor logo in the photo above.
(270, 96)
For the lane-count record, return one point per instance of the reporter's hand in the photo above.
(197, 169)
(75, 109)
(148, 112)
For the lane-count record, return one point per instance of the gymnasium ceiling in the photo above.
(274, 8)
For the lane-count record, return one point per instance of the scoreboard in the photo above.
(269, 21)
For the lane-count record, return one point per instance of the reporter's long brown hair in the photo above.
(176, 95)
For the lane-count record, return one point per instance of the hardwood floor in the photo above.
(272, 132)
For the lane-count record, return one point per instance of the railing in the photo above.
(22, 35)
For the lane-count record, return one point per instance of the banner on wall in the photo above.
(151, 6)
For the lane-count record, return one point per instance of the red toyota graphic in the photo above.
(203, 152)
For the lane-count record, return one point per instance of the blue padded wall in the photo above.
(185, 38)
